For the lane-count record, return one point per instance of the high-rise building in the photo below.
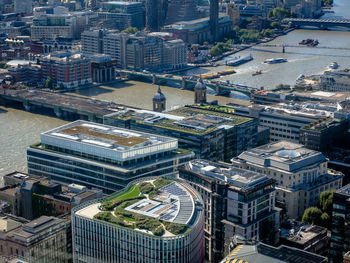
(156, 13)
(200, 92)
(214, 19)
(301, 174)
(237, 202)
(340, 243)
(104, 157)
(150, 221)
(181, 10)
(159, 101)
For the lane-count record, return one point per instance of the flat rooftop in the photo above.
(106, 141)
(189, 119)
(282, 155)
(196, 24)
(262, 253)
(301, 233)
(240, 179)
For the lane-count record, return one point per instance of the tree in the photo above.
(48, 83)
(326, 202)
(130, 30)
(215, 51)
(275, 24)
(312, 215)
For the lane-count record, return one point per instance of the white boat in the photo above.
(333, 65)
(275, 60)
(239, 60)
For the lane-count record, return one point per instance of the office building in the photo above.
(181, 10)
(311, 238)
(66, 69)
(50, 27)
(260, 252)
(199, 30)
(104, 157)
(23, 6)
(301, 174)
(211, 132)
(335, 81)
(29, 74)
(165, 227)
(159, 101)
(156, 13)
(174, 54)
(236, 201)
(140, 51)
(114, 45)
(324, 134)
(92, 41)
(286, 119)
(121, 15)
(340, 243)
(41, 240)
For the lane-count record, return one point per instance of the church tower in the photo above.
(159, 101)
(200, 92)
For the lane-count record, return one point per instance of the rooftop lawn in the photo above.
(114, 209)
(132, 192)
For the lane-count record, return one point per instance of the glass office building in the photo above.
(104, 157)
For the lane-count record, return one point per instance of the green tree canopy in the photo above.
(312, 215)
(326, 202)
(130, 30)
(279, 13)
(48, 83)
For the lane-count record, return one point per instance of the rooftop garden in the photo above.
(218, 108)
(113, 210)
(220, 111)
(119, 140)
(321, 124)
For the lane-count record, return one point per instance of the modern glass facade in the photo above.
(62, 160)
(340, 238)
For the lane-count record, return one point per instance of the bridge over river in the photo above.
(63, 106)
(320, 23)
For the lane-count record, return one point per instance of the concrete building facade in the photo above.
(301, 174)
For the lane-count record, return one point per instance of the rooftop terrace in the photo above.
(322, 124)
(158, 207)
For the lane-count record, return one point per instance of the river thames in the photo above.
(19, 129)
